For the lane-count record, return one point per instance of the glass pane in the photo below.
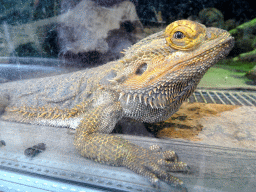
(97, 95)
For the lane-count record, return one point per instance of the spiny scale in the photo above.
(50, 113)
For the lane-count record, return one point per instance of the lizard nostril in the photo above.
(142, 68)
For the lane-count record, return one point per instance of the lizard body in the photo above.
(148, 84)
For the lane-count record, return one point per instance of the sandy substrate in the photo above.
(214, 124)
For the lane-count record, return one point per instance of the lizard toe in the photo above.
(170, 156)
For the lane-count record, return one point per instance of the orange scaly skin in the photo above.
(148, 84)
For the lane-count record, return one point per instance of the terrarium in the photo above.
(99, 95)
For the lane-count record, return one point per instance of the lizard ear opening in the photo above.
(141, 69)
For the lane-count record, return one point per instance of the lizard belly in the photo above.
(145, 113)
(70, 123)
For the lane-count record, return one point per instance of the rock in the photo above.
(245, 41)
(252, 73)
(248, 56)
(27, 39)
(234, 128)
(87, 33)
(230, 24)
(2, 143)
(90, 33)
(243, 48)
(244, 29)
(212, 17)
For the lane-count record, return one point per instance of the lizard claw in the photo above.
(155, 164)
(155, 148)
(167, 155)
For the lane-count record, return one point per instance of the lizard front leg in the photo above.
(93, 142)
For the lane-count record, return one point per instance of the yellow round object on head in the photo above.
(185, 34)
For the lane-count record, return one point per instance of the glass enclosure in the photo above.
(75, 54)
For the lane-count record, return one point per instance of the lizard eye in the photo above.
(142, 68)
(178, 35)
(185, 35)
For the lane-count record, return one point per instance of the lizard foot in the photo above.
(155, 164)
(168, 155)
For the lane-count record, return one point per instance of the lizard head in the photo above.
(166, 67)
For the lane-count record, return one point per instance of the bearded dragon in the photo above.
(148, 84)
